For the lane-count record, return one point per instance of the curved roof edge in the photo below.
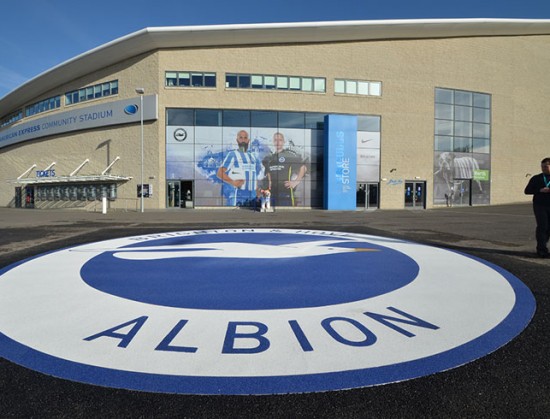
(150, 39)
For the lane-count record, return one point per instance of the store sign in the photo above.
(340, 162)
(107, 114)
(255, 311)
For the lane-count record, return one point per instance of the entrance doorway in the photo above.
(367, 195)
(29, 197)
(462, 192)
(179, 194)
(415, 195)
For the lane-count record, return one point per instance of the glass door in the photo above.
(415, 195)
(367, 195)
(462, 195)
(361, 193)
(179, 194)
(372, 195)
(173, 194)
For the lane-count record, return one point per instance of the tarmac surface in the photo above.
(512, 382)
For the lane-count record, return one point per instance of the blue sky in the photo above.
(36, 35)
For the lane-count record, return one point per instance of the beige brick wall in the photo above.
(514, 70)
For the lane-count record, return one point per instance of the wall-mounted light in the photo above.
(417, 177)
(527, 174)
(393, 170)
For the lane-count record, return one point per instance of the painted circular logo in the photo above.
(180, 134)
(255, 311)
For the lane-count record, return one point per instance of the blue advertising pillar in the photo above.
(340, 160)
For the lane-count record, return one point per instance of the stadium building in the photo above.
(336, 115)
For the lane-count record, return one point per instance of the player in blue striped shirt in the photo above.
(239, 172)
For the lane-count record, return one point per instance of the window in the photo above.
(272, 82)
(114, 87)
(358, 87)
(351, 87)
(171, 79)
(183, 79)
(462, 121)
(244, 81)
(307, 84)
(189, 79)
(91, 92)
(317, 121)
(11, 118)
(368, 123)
(236, 118)
(462, 147)
(231, 80)
(43, 106)
(291, 120)
(209, 79)
(208, 117)
(183, 117)
(363, 88)
(282, 82)
(375, 88)
(294, 83)
(319, 85)
(257, 82)
(197, 79)
(263, 118)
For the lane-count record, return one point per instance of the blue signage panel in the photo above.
(113, 113)
(340, 162)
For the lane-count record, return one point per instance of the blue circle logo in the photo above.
(131, 109)
(255, 311)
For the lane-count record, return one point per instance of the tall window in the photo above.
(462, 146)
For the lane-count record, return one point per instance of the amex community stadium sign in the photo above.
(255, 311)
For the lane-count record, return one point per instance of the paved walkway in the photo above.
(502, 227)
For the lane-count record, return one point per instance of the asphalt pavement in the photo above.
(512, 382)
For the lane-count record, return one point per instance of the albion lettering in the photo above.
(252, 337)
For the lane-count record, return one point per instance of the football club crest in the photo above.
(255, 311)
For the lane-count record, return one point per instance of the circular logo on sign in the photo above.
(180, 134)
(255, 311)
(131, 109)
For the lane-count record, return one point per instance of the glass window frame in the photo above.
(275, 82)
(84, 94)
